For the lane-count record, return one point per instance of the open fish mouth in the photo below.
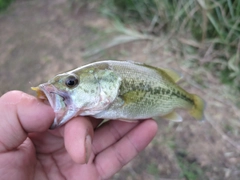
(59, 101)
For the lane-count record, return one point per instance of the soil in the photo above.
(39, 39)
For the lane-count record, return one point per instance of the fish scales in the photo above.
(145, 92)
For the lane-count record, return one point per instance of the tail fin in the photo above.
(198, 108)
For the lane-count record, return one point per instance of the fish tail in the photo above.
(198, 108)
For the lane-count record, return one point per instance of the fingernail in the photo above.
(88, 148)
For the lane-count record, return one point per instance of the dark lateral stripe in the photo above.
(182, 96)
(156, 90)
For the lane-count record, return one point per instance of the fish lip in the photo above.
(50, 92)
(58, 100)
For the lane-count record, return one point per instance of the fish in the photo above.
(118, 90)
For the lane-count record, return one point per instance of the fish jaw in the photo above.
(62, 117)
(61, 104)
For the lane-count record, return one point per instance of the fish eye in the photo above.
(71, 81)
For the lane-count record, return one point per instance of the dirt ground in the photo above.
(39, 39)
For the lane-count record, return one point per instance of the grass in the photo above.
(4, 4)
(190, 169)
(213, 26)
(152, 169)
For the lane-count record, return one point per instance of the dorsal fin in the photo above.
(174, 75)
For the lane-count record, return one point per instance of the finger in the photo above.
(111, 160)
(110, 133)
(46, 143)
(78, 135)
(21, 113)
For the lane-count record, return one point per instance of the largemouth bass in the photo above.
(124, 90)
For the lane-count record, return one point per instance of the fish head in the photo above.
(69, 95)
(78, 93)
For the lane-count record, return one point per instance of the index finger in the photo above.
(20, 114)
(113, 158)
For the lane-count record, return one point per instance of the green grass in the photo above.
(4, 4)
(152, 169)
(129, 10)
(190, 169)
(213, 24)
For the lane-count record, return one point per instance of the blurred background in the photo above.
(199, 38)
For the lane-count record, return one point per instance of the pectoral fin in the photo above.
(129, 120)
(132, 96)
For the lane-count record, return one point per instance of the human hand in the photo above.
(77, 150)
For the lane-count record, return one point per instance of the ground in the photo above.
(39, 39)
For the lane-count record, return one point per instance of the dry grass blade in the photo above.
(118, 40)
(215, 98)
(223, 135)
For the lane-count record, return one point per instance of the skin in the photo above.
(28, 150)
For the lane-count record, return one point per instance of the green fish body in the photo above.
(122, 90)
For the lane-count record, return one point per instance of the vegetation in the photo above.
(206, 33)
(213, 26)
(190, 169)
(4, 4)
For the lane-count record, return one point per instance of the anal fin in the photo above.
(173, 116)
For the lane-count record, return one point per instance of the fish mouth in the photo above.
(59, 101)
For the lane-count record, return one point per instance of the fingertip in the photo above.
(143, 134)
(78, 134)
(152, 126)
(20, 114)
(30, 112)
(13, 97)
(113, 158)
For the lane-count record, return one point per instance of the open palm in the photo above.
(78, 150)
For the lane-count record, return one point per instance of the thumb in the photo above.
(20, 114)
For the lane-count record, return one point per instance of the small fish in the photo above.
(124, 90)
